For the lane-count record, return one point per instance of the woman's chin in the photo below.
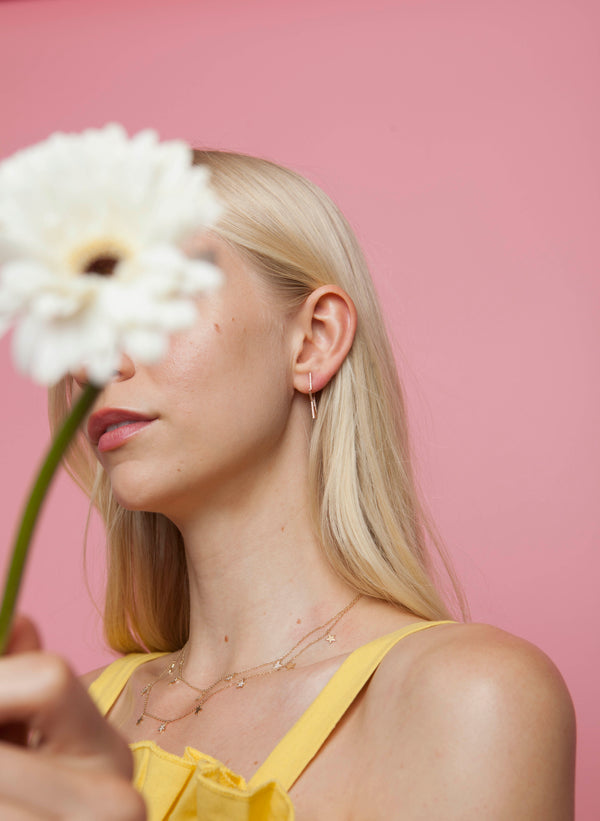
(136, 500)
(140, 499)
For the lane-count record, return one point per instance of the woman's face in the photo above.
(204, 419)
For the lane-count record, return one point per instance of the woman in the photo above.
(263, 525)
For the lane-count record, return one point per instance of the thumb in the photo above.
(24, 636)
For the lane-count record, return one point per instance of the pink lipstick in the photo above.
(112, 427)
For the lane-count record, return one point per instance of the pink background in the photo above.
(461, 139)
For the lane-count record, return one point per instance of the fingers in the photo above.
(40, 786)
(24, 636)
(16, 733)
(40, 691)
(16, 812)
(80, 768)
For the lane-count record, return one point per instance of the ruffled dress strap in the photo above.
(304, 740)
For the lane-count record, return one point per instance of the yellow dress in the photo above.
(197, 787)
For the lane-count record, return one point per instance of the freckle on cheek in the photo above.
(226, 638)
(217, 328)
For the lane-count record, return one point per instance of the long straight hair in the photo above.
(365, 505)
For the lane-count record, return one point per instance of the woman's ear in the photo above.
(326, 324)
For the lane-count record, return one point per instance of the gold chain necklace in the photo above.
(237, 679)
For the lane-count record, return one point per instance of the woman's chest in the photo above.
(249, 730)
(239, 726)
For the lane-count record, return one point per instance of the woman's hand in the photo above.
(59, 758)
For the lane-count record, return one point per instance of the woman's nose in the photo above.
(126, 371)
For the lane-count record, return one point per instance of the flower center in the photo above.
(99, 257)
(103, 266)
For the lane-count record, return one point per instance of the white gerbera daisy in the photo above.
(91, 233)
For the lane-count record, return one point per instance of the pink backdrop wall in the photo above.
(461, 139)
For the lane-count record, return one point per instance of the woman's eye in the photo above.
(201, 253)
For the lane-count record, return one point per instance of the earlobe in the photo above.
(327, 325)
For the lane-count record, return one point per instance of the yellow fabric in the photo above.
(197, 787)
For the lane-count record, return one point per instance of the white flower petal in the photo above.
(5, 323)
(146, 347)
(200, 275)
(176, 315)
(23, 279)
(36, 352)
(101, 366)
(23, 344)
(49, 306)
(75, 198)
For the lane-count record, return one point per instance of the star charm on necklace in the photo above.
(241, 683)
(278, 665)
(330, 638)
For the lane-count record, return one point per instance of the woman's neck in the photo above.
(258, 582)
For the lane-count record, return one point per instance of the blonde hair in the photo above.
(366, 507)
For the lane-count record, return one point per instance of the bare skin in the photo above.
(459, 721)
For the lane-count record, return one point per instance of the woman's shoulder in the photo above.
(481, 708)
(126, 664)
(473, 668)
(470, 650)
(87, 679)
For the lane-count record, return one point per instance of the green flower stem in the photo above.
(59, 445)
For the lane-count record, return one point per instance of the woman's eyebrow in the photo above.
(199, 251)
(203, 253)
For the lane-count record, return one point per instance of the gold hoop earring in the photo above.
(313, 401)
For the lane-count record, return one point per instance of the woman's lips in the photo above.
(115, 438)
(111, 427)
